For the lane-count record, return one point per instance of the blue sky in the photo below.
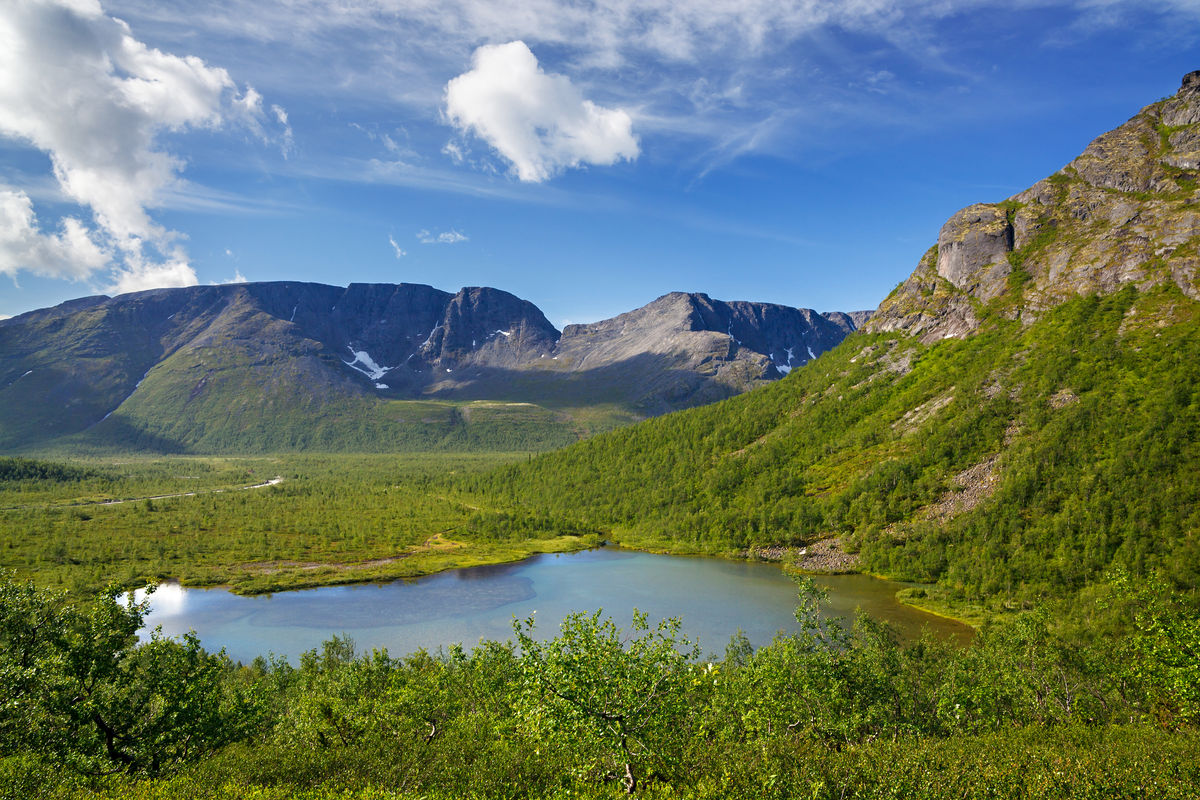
(587, 156)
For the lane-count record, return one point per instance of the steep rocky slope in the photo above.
(1124, 212)
(681, 350)
(269, 364)
(771, 339)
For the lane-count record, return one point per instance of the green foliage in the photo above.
(81, 689)
(1164, 649)
(332, 519)
(19, 470)
(291, 422)
(619, 700)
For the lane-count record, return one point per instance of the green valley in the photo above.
(1015, 432)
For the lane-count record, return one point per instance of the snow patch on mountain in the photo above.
(365, 364)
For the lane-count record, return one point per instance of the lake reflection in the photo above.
(714, 599)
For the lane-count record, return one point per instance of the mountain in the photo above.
(1125, 212)
(269, 366)
(1020, 416)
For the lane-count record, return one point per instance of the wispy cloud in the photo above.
(712, 65)
(287, 141)
(185, 195)
(400, 253)
(446, 237)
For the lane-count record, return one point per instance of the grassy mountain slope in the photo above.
(251, 384)
(297, 366)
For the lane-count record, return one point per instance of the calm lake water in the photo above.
(712, 597)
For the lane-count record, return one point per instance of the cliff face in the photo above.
(197, 353)
(1126, 211)
(488, 327)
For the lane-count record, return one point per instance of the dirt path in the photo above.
(278, 479)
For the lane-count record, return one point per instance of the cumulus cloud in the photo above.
(70, 253)
(447, 237)
(138, 275)
(77, 85)
(539, 122)
(399, 252)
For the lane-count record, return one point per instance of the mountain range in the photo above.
(287, 365)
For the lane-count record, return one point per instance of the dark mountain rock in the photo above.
(848, 321)
(488, 327)
(767, 339)
(195, 358)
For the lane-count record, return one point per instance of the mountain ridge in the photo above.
(1123, 212)
(152, 357)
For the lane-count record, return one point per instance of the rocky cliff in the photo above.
(771, 338)
(1126, 211)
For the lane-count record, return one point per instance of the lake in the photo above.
(714, 598)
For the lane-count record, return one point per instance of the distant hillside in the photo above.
(297, 366)
(1020, 415)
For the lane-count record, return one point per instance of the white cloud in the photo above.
(447, 237)
(454, 152)
(287, 140)
(540, 122)
(803, 60)
(77, 85)
(70, 253)
(238, 277)
(138, 276)
(399, 252)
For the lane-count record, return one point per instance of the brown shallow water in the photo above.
(713, 598)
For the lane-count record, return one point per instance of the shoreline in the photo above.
(331, 575)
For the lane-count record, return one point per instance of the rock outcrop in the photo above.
(1125, 211)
